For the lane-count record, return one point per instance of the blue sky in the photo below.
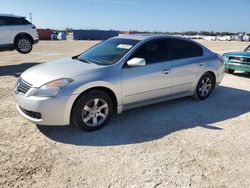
(150, 15)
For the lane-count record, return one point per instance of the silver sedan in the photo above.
(115, 75)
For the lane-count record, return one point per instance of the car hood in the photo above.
(238, 54)
(64, 68)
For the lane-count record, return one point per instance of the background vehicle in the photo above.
(17, 33)
(54, 35)
(237, 61)
(115, 75)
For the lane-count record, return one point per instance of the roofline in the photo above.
(12, 15)
(143, 37)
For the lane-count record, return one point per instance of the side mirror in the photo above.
(136, 62)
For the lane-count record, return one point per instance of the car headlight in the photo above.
(52, 88)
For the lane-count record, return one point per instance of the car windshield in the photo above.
(108, 52)
(247, 49)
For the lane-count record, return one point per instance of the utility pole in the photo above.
(30, 17)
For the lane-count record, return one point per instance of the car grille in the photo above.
(239, 59)
(22, 86)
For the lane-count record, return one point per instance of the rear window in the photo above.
(13, 21)
(179, 49)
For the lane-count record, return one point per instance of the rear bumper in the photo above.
(237, 66)
(36, 41)
(219, 78)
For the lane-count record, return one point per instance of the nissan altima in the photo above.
(115, 75)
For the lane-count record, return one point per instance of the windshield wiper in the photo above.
(86, 61)
(95, 61)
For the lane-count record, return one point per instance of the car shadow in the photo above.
(15, 70)
(159, 120)
(242, 74)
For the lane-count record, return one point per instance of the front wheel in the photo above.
(204, 87)
(229, 71)
(92, 111)
(23, 45)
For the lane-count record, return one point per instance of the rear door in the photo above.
(151, 81)
(187, 64)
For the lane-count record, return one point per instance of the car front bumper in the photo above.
(45, 110)
(237, 66)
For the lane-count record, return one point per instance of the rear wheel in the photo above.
(204, 87)
(229, 71)
(92, 111)
(23, 45)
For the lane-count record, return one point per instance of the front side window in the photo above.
(179, 49)
(153, 52)
(108, 52)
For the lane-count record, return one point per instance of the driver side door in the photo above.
(149, 82)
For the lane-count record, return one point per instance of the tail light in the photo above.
(220, 58)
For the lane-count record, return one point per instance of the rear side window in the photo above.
(23, 21)
(153, 51)
(179, 49)
(13, 21)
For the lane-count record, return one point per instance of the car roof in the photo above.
(11, 15)
(142, 37)
(146, 37)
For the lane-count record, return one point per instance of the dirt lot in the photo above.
(179, 143)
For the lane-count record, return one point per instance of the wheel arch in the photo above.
(107, 90)
(23, 34)
(213, 75)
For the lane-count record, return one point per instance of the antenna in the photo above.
(30, 17)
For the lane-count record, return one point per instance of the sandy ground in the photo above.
(180, 143)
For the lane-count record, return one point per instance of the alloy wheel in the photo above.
(24, 45)
(205, 86)
(95, 112)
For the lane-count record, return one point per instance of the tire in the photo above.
(89, 111)
(229, 71)
(204, 87)
(23, 45)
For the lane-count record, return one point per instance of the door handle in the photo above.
(166, 71)
(201, 64)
